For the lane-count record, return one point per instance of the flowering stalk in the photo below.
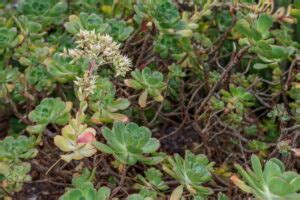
(85, 85)
(99, 50)
(76, 136)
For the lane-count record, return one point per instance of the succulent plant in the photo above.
(167, 45)
(166, 13)
(76, 140)
(129, 144)
(39, 77)
(279, 112)
(175, 80)
(14, 172)
(107, 111)
(104, 90)
(104, 104)
(165, 16)
(154, 178)
(86, 22)
(13, 176)
(151, 184)
(8, 79)
(136, 197)
(14, 149)
(32, 53)
(256, 31)
(85, 176)
(270, 54)
(84, 189)
(46, 12)
(118, 29)
(237, 98)
(8, 38)
(31, 30)
(269, 183)
(257, 35)
(191, 171)
(222, 196)
(117, 9)
(50, 110)
(84, 5)
(232, 68)
(151, 83)
(176, 72)
(258, 146)
(175, 31)
(62, 69)
(17, 94)
(234, 102)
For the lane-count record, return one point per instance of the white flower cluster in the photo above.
(86, 85)
(101, 49)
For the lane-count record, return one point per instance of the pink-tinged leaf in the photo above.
(143, 99)
(241, 184)
(86, 137)
(296, 152)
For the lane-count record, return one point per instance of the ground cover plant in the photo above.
(150, 99)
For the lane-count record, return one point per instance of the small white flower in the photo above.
(100, 48)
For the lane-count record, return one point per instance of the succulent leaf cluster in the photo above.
(130, 143)
(137, 98)
(234, 102)
(13, 176)
(45, 12)
(8, 79)
(151, 83)
(50, 110)
(83, 188)
(76, 140)
(270, 182)
(165, 16)
(104, 104)
(8, 38)
(15, 149)
(62, 68)
(13, 171)
(118, 29)
(151, 184)
(257, 35)
(191, 171)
